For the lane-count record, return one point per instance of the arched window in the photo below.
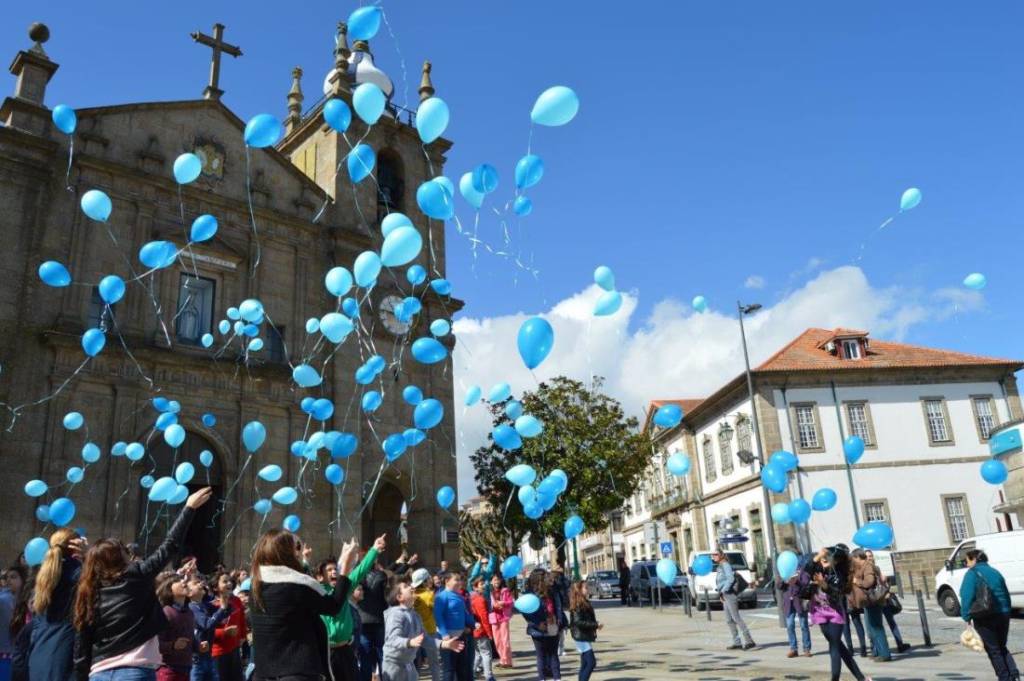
(390, 184)
(744, 433)
(725, 450)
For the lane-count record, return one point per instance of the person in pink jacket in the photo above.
(500, 615)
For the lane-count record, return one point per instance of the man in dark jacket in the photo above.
(371, 614)
(560, 590)
(623, 582)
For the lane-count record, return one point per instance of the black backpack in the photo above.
(739, 584)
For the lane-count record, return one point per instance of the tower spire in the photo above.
(341, 55)
(426, 86)
(295, 98)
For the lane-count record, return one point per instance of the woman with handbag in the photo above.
(869, 592)
(826, 593)
(985, 604)
(891, 608)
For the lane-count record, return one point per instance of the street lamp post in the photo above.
(767, 513)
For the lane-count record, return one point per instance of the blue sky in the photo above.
(716, 140)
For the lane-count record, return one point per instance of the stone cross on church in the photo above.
(218, 45)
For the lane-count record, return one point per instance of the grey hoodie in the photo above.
(400, 624)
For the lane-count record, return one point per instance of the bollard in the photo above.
(687, 606)
(911, 575)
(707, 603)
(927, 591)
(899, 585)
(652, 597)
(924, 621)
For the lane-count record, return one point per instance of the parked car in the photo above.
(643, 577)
(1005, 552)
(698, 583)
(603, 584)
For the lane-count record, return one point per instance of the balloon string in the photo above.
(16, 411)
(71, 156)
(252, 213)
(401, 59)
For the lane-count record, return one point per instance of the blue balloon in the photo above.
(700, 303)
(253, 435)
(338, 281)
(64, 118)
(536, 338)
(428, 350)
(526, 495)
(824, 499)
(35, 488)
(787, 563)
(678, 464)
(555, 106)
(361, 161)
(394, 446)
(118, 449)
(371, 400)
(93, 341)
(90, 452)
(255, 345)
(285, 496)
(469, 193)
(224, 326)
(432, 119)
(43, 513)
(428, 414)
(874, 535)
(54, 274)
(134, 451)
(787, 460)
(994, 472)
(506, 437)
(312, 325)
(435, 200)
(573, 526)
(35, 551)
(559, 476)
(666, 570)
(393, 221)
(292, 523)
(445, 496)
(233, 313)
(401, 246)
(96, 205)
(365, 375)
(187, 168)
(521, 475)
(368, 100)
(306, 376)
(161, 403)
(263, 506)
(203, 228)
(608, 304)
(527, 604)
(111, 289)
(337, 114)
(975, 281)
(702, 565)
(442, 287)
(529, 171)
(799, 511)
(263, 130)
(158, 254)
(780, 513)
(344, 446)
(174, 435)
(853, 448)
(604, 277)
(485, 178)
(184, 473)
(173, 406)
(75, 475)
(522, 206)
(366, 268)
(774, 477)
(251, 310)
(910, 199)
(364, 22)
(413, 436)
(514, 409)
(472, 396)
(668, 416)
(73, 420)
(206, 340)
(440, 328)
(323, 409)
(271, 473)
(209, 420)
(529, 426)
(62, 511)
(511, 566)
(335, 474)
(206, 458)
(146, 481)
(533, 510)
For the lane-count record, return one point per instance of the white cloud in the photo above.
(755, 281)
(675, 352)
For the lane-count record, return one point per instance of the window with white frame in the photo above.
(709, 460)
(857, 415)
(876, 511)
(851, 349)
(955, 508)
(807, 429)
(195, 308)
(725, 451)
(938, 428)
(984, 416)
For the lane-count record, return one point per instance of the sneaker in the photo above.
(749, 646)
(735, 646)
(903, 647)
(791, 653)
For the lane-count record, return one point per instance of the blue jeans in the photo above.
(876, 631)
(458, 666)
(203, 668)
(587, 664)
(125, 674)
(5, 669)
(371, 650)
(805, 631)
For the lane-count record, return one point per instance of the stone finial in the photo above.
(426, 86)
(32, 70)
(341, 55)
(39, 33)
(295, 98)
(361, 46)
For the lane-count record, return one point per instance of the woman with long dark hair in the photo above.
(990, 616)
(51, 649)
(829, 585)
(289, 636)
(117, 614)
(543, 625)
(583, 625)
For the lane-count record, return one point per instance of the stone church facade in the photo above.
(127, 151)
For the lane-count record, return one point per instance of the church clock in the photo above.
(387, 315)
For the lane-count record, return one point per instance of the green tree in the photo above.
(587, 435)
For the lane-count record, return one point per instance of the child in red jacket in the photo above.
(231, 633)
(483, 635)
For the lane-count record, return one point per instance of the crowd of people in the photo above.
(102, 613)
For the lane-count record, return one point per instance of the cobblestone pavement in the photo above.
(645, 644)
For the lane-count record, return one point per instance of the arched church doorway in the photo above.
(155, 519)
(385, 516)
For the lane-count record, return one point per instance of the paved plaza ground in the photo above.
(645, 644)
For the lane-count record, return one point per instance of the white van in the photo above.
(1005, 551)
(698, 583)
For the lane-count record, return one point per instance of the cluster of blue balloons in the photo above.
(797, 511)
(536, 501)
(241, 322)
(775, 474)
(339, 444)
(609, 302)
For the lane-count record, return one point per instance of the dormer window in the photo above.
(851, 348)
